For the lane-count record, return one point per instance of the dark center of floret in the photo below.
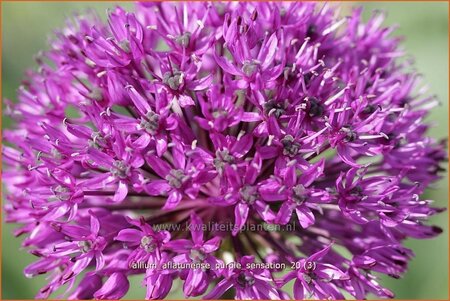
(308, 277)
(290, 147)
(275, 108)
(85, 246)
(350, 135)
(308, 273)
(148, 244)
(245, 280)
(151, 123)
(311, 31)
(173, 80)
(120, 169)
(219, 112)
(249, 194)
(197, 256)
(315, 108)
(250, 67)
(356, 191)
(62, 193)
(299, 194)
(184, 39)
(369, 109)
(176, 178)
(222, 157)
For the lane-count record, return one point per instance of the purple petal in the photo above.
(284, 214)
(158, 286)
(305, 216)
(129, 235)
(212, 244)
(344, 153)
(264, 211)
(161, 167)
(82, 263)
(79, 131)
(95, 224)
(290, 177)
(140, 102)
(142, 141)
(242, 146)
(299, 290)
(201, 84)
(240, 216)
(185, 101)
(270, 191)
(226, 65)
(314, 172)
(268, 152)
(364, 261)
(179, 155)
(99, 261)
(196, 229)
(161, 147)
(192, 282)
(250, 117)
(320, 254)
(179, 245)
(173, 200)
(121, 192)
(87, 287)
(157, 187)
(268, 51)
(219, 289)
(328, 271)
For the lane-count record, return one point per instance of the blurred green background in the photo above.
(26, 27)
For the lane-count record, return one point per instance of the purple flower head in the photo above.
(235, 147)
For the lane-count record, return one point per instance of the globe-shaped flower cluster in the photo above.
(201, 115)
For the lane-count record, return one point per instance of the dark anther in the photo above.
(357, 191)
(184, 39)
(254, 15)
(245, 280)
(311, 31)
(290, 147)
(315, 108)
(239, 21)
(369, 109)
(307, 77)
(350, 134)
(274, 107)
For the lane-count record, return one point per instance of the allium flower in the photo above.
(191, 114)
